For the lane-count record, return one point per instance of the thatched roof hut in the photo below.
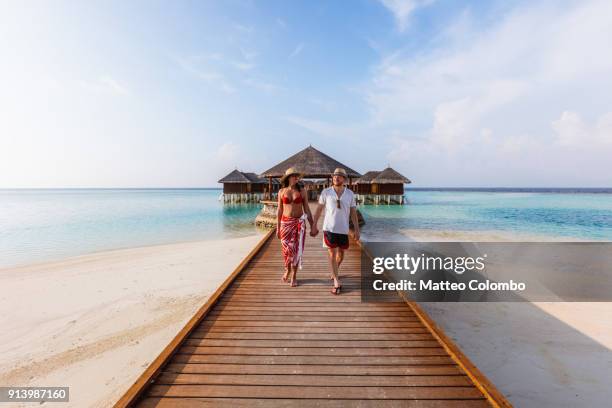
(238, 176)
(367, 177)
(311, 162)
(390, 176)
(239, 182)
(387, 181)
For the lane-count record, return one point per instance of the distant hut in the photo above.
(313, 163)
(362, 184)
(244, 187)
(381, 187)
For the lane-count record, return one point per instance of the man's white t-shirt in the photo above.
(337, 219)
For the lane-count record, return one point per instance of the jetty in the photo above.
(258, 342)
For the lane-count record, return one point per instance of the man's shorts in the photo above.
(333, 240)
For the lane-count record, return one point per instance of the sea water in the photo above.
(581, 214)
(40, 225)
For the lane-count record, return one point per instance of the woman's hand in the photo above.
(278, 233)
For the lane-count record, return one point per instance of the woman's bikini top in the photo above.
(287, 200)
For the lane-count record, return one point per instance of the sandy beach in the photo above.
(94, 322)
(430, 235)
(538, 354)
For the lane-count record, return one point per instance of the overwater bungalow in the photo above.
(313, 164)
(244, 187)
(381, 187)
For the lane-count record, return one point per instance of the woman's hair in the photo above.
(297, 186)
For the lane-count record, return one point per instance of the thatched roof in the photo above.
(367, 177)
(238, 176)
(390, 176)
(235, 176)
(311, 162)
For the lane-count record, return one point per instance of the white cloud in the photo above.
(248, 54)
(243, 28)
(107, 85)
(402, 9)
(514, 78)
(200, 67)
(243, 66)
(571, 130)
(297, 50)
(262, 85)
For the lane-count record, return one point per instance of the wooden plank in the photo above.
(381, 338)
(317, 360)
(316, 380)
(207, 328)
(295, 318)
(314, 324)
(285, 312)
(307, 392)
(315, 351)
(333, 402)
(313, 343)
(314, 369)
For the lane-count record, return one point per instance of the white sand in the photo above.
(537, 354)
(95, 322)
(429, 235)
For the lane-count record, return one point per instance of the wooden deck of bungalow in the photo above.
(258, 342)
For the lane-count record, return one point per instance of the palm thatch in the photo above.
(235, 176)
(255, 179)
(238, 176)
(312, 163)
(367, 177)
(390, 176)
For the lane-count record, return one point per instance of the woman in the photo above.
(293, 210)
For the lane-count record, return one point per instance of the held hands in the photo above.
(314, 231)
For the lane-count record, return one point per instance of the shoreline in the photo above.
(431, 235)
(61, 259)
(105, 315)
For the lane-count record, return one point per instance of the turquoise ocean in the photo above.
(40, 225)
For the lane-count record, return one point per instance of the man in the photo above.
(339, 203)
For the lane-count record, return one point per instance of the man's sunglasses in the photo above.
(338, 202)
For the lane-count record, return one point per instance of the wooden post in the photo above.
(269, 187)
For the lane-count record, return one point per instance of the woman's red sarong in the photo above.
(292, 234)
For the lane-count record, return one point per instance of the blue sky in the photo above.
(177, 94)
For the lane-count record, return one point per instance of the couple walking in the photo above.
(293, 212)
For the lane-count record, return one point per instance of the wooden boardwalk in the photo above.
(259, 342)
